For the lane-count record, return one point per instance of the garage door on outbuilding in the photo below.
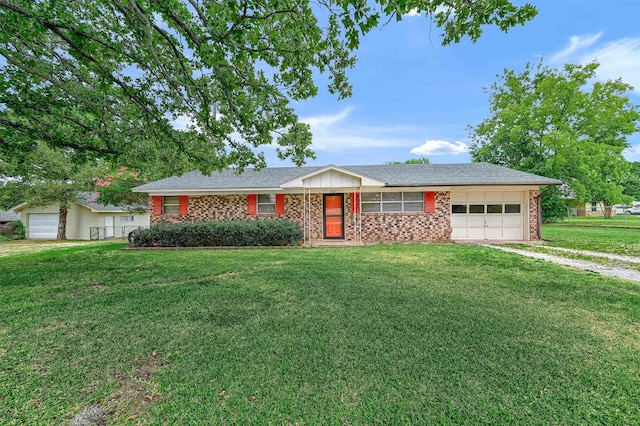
(43, 226)
(489, 215)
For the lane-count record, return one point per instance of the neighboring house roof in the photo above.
(88, 200)
(8, 216)
(389, 175)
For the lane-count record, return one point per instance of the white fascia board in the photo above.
(88, 207)
(487, 188)
(231, 191)
(104, 211)
(408, 189)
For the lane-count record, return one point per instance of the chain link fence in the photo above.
(111, 232)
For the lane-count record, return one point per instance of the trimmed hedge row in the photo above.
(234, 233)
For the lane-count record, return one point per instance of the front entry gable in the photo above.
(332, 177)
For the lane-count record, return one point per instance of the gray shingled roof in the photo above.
(6, 216)
(88, 199)
(391, 174)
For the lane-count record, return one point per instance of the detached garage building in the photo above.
(86, 220)
(364, 204)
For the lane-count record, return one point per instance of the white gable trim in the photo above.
(332, 177)
(93, 210)
(19, 207)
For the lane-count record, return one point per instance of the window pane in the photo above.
(413, 207)
(266, 198)
(459, 208)
(266, 208)
(171, 205)
(126, 218)
(370, 196)
(413, 196)
(512, 208)
(476, 208)
(392, 196)
(370, 207)
(391, 207)
(494, 208)
(171, 209)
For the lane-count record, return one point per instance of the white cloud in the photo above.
(576, 44)
(337, 132)
(617, 59)
(438, 147)
(324, 121)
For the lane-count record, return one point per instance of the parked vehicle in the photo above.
(634, 209)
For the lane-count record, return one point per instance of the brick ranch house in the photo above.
(363, 204)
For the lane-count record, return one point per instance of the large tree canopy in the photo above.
(561, 124)
(110, 77)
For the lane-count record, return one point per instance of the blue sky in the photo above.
(413, 97)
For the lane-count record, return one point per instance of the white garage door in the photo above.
(43, 226)
(495, 215)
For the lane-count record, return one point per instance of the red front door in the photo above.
(334, 215)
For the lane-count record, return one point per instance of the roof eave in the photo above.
(19, 207)
(211, 191)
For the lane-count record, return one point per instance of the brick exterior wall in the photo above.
(533, 215)
(404, 227)
(376, 227)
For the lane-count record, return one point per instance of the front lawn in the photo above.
(624, 241)
(387, 334)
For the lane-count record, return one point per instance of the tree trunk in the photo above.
(62, 224)
(607, 211)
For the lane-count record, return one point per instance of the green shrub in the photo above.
(20, 232)
(12, 231)
(235, 233)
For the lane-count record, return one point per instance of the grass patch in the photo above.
(14, 247)
(621, 221)
(402, 334)
(624, 241)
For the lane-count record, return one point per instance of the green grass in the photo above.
(631, 221)
(625, 241)
(387, 334)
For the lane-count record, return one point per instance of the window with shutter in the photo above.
(392, 202)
